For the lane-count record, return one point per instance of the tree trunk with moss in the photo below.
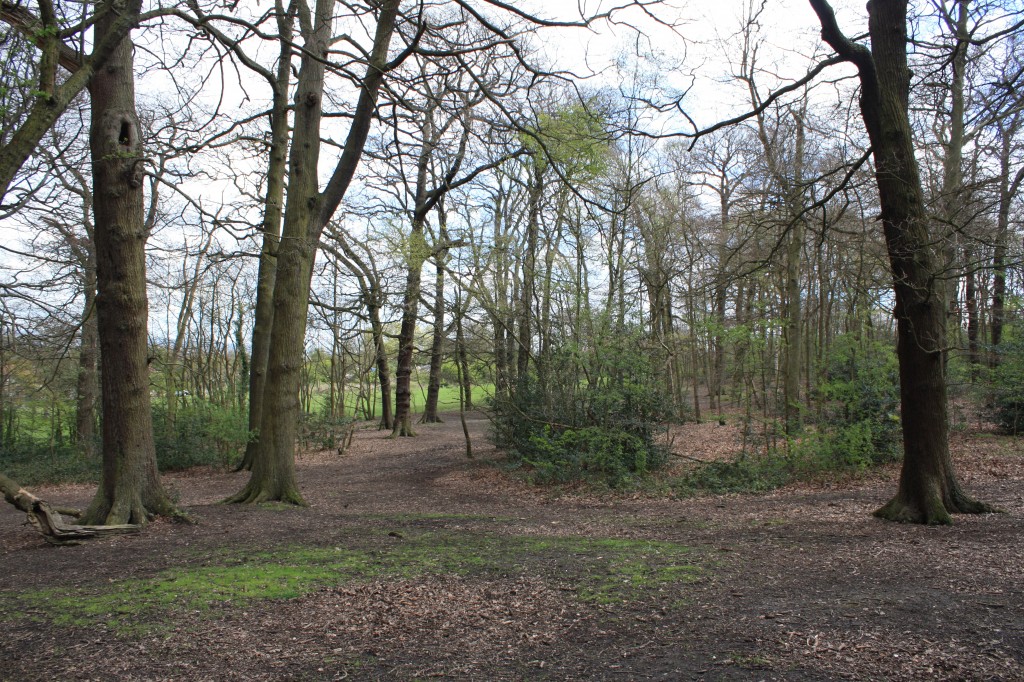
(273, 208)
(130, 491)
(928, 489)
(273, 460)
(87, 390)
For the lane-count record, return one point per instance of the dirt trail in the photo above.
(799, 584)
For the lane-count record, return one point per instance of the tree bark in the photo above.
(407, 333)
(273, 209)
(1008, 189)
(430, 414)
(525, 331)
(928, 488)
(88, 385)
(117, 19)
(307, 212)
(130, 490)
(952, 172)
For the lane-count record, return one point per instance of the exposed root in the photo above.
(962, 503)
(901, 511)
(256, 494)
(933, 509)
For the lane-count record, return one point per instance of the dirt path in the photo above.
(413, 562)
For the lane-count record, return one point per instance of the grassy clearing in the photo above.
(447, 399)
(600, 571)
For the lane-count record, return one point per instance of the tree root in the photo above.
(255, 494)
(934, 510)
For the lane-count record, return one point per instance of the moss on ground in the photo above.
(601, 571)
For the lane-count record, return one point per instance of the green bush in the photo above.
(324, 431)
(746, 474)
(202, 434)
(586, 416)
(1007, 383)
(860, 423)
(33, 463)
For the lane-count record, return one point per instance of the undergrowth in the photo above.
(587, 414)
(200, 435)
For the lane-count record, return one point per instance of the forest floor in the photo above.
(414, 562)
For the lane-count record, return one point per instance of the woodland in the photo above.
(563, 332)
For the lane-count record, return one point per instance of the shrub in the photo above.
(745, 474)
(325, 432)
(31, 463)
(589, 417)
(860, 423)
(202, 434)
(1007, 382)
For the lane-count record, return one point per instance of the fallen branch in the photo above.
(48, 521)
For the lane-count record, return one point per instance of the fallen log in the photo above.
(49, 522)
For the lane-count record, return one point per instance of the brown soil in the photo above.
(799, 584)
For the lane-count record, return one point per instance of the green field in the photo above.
(448, 400)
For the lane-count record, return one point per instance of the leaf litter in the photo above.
(799, 583)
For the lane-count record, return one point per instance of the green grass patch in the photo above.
(447, 399)
(602, 571)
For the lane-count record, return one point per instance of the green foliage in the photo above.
(860, 423)
(201, 434)
(859, 428)
(573, 138)
(1007, 382)
(747, 474)
(585, 416)
(32, 462)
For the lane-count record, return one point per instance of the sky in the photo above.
(691, 48)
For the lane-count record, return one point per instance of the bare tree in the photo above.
(307, 212)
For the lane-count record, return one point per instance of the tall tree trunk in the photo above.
(307, 212)
(462, 357)
(430, 415)
(952, 173)
(407, 333)
(273, 209)
(130, 489)
(928, 489)
(792, 331)
(380, 355)
(1008, 188)
(529, 275)
(501, 303)
(971, 301)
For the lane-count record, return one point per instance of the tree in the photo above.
(130, 490)
(372, 295)
(307, 212)
(928, 488)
